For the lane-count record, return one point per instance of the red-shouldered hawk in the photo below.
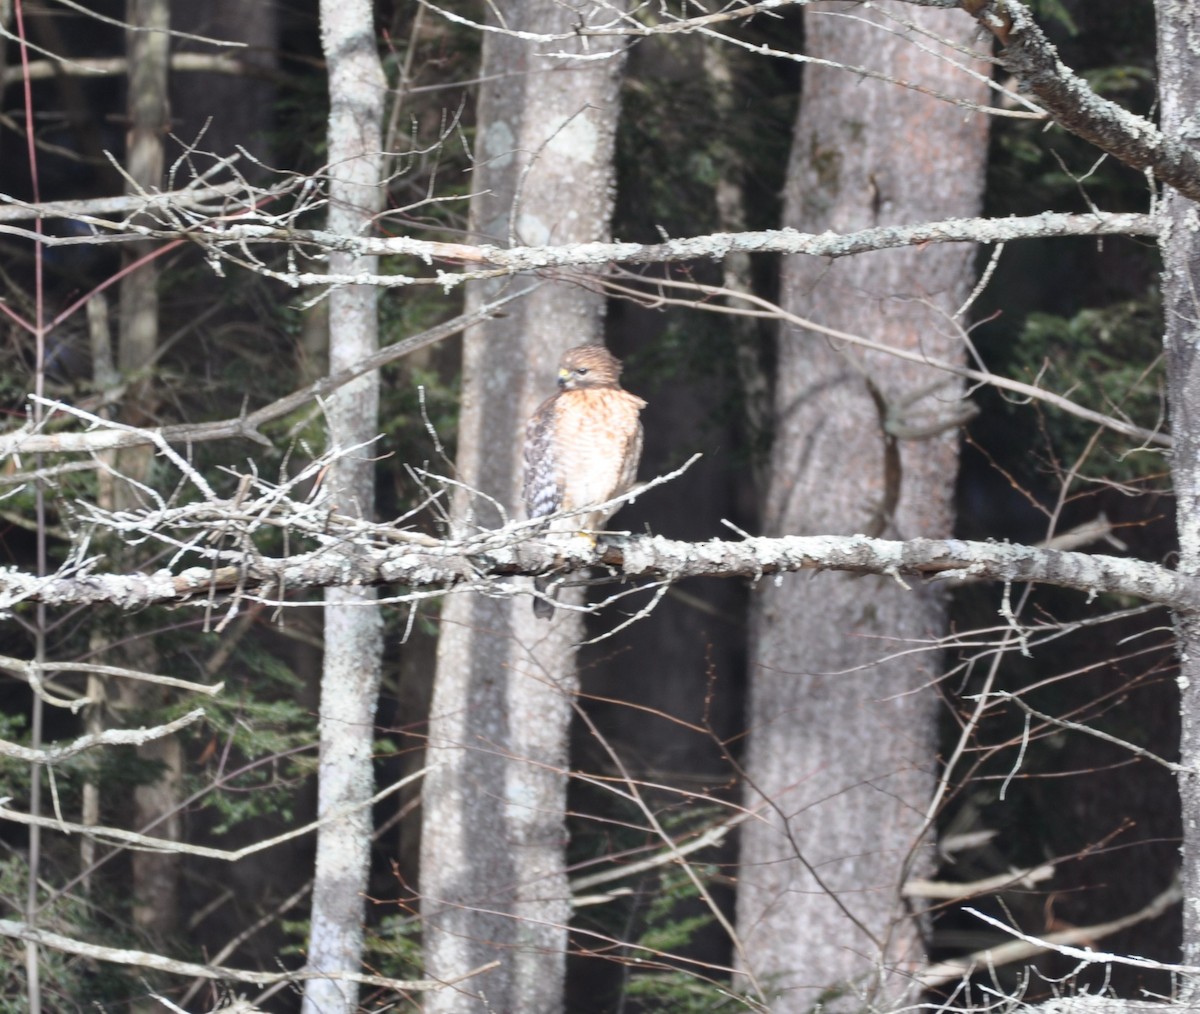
(582, 445)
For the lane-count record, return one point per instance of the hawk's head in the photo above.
(588, 366)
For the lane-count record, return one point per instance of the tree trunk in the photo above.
(353, 623)
(492, 855)
(155, 875)
(841, 755)
(1179, 95)
(221, 112)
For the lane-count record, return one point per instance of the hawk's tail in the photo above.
(543, 608)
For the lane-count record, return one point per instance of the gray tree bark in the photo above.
(493, 883)
(156, 804)
(353, 622)
(841, 754)
(1179, 95)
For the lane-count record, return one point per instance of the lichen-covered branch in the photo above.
(424, 565)
(488, 261)
(108, 737)
(1033, 60)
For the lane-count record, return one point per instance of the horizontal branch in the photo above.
(1061, 942)
(420, 563)
(108, 737)
(149, 843)
(143, 959)
(209, 63)
(32, 672)
(499, 260)
(14, 210)
(110, 436)
(621, 23)
(946, 890)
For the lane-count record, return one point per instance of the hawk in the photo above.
(582, 446)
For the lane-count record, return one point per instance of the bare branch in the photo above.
(622, 24)
(664, 857)
(109, 737)
(1027, 54)
(152, 844)
(947, 890)
(1062, 723)
(106, 436)
(209, 63)
(770, 311)
(1026, 946)
(1035, 63)
(13, 210)
(512, 260)
(474, 562)
(208, 689)
(128, 27)
(142, 959)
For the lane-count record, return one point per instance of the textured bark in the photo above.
(438, 565)
(353, 622)
(105, 377)
(1029, 56)
(1179, 94)
(492, 854)
(841, 749)
(556, 253)
(156, 805)
(149, 120)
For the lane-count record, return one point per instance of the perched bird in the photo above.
(582, 446)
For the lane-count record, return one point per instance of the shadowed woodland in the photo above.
(878, 692)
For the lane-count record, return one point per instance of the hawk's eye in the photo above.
(581, 370)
